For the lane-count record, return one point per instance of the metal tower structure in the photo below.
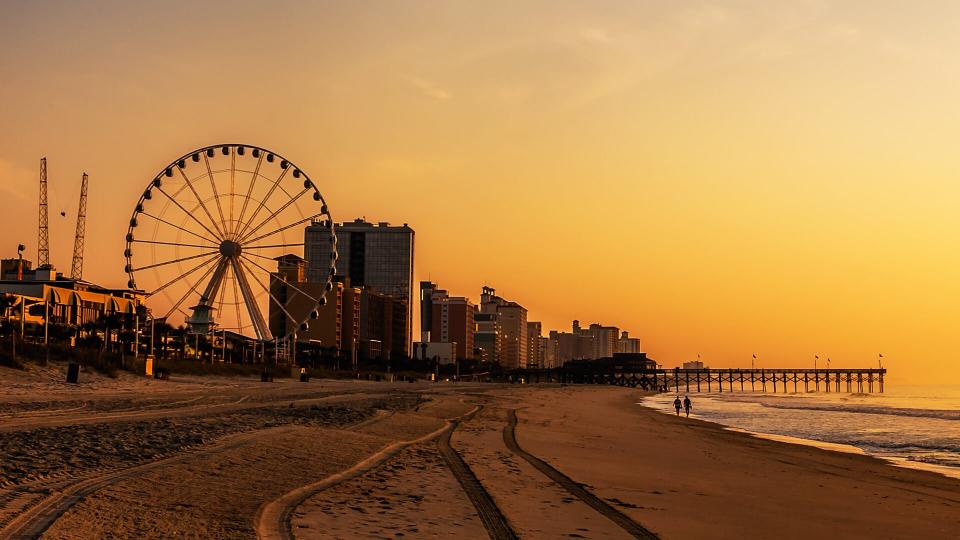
(76, 271)
(43, 243)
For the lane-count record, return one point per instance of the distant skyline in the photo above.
(721, 178)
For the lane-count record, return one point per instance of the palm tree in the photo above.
(164, 330)
(108, 322)
(180, 334)
(7, 302)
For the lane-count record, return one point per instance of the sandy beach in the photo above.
(235, 458)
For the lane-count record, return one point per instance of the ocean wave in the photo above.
(944, 461)
(905, 447)
(940, 414)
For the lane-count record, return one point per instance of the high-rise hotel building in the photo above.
(375, 256)
(447, 319)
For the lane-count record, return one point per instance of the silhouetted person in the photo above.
(686, 405)
(677, 405)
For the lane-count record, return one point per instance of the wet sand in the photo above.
(692, 479)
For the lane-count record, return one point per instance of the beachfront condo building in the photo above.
(534, 350)
(627, 344)
(510, 318)
(596, 341)
(447, 319)
(604, 340)
(375, 256)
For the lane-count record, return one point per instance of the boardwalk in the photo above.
(713, 380)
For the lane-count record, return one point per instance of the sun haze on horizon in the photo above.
(722, 179)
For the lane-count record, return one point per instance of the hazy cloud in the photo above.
(15, 181)
(595, 35)
(428, 88)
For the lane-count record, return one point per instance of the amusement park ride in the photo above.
(205, 236)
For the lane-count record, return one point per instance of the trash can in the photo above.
(73, 372)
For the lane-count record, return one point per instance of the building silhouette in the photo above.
(508, 320)
(378, 257)
(535, 350)
(447, 319)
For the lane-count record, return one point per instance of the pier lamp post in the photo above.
(815, 358)
(828, 362)
(880, 361)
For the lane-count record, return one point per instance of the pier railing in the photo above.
(785, 380)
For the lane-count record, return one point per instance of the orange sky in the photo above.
(718, 178)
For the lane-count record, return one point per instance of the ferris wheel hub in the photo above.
(229, 248)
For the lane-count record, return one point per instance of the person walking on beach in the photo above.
(677, 405)
(686, 405)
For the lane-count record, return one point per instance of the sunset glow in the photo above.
(769, 178)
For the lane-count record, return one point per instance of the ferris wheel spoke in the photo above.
(193, 217)
(214, 242)
(246, 200)
(164, 263)
(192, 289)
(199, 200)
(283, 308)
(281, 229)
(260, 326)
(264, 200)
(271, 259)
(295, 244)
(233, 186)
(204, 246)
(182, 276)
(291, 285)
(216, 194)
(274, 214)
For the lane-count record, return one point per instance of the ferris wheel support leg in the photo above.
(259, 323)
(210, 293)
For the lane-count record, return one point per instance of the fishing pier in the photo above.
(785, 380)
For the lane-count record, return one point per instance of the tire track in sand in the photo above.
(27, 510)
(272, 521)
(567, 483)
(41, 503)
(493, 519)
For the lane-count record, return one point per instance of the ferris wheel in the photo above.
(217, 242)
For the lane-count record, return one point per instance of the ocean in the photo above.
(910, 425)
